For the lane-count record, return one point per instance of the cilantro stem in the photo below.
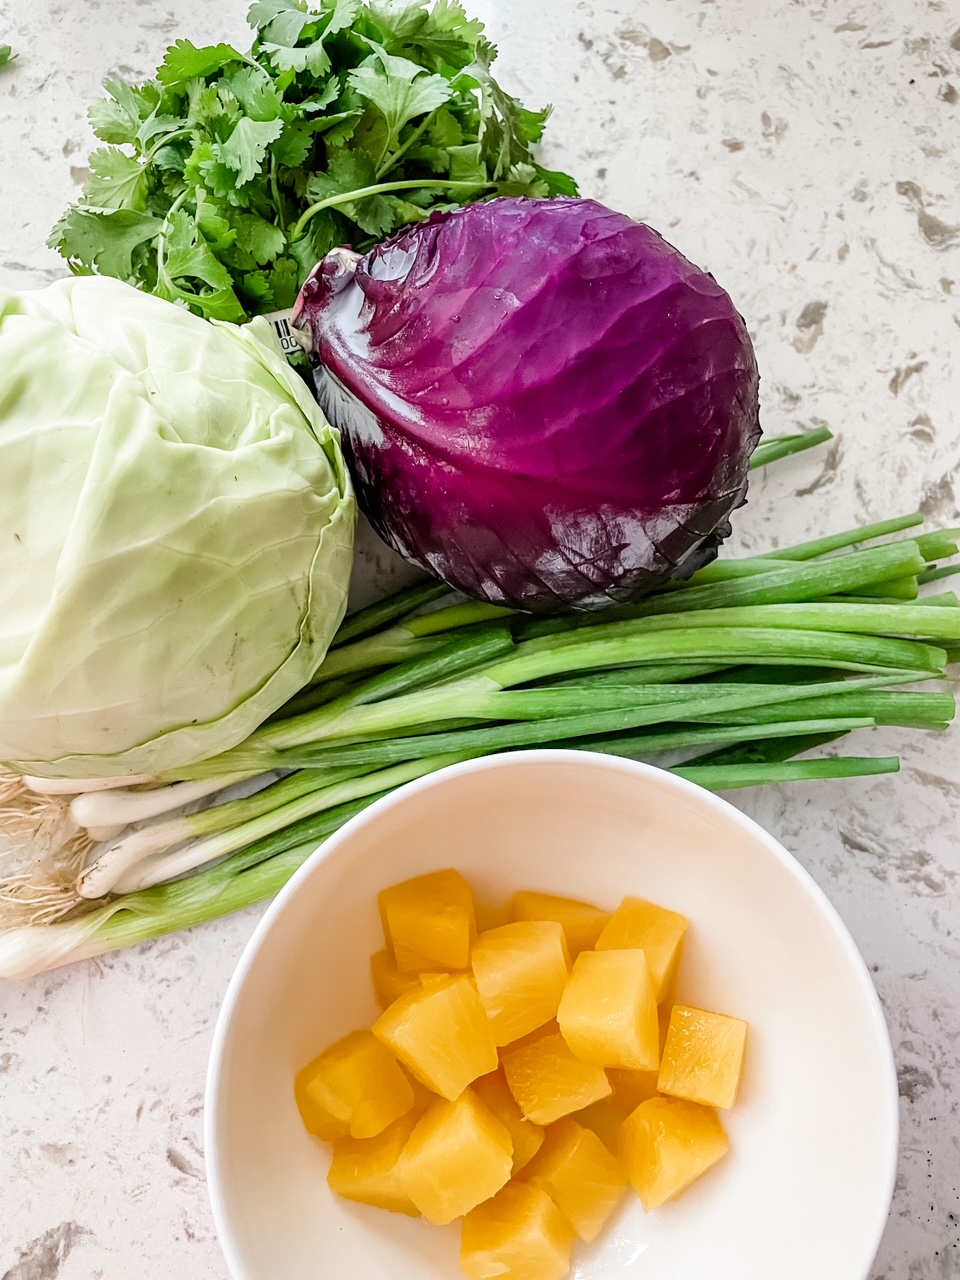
(162, 234)
(279, 218)
(379, 188)
(400, 152)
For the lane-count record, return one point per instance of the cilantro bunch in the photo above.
(228, 176)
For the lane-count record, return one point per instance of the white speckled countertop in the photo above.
(806, 152)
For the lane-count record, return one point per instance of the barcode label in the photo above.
(281, 327)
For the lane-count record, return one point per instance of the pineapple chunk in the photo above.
(366, 1169)
(654, 930)
(521, 970)
(494, 1092)
(458, 1155)
(630, 1088)
(581, 921)
(389, 983)
(429, 922)
(548, 1081)
(518, 1235)
(579, 1175)
(441, 1035)
(359, 1083)
(315, 1116)
(608, 1013)
(666, 1144)
(603, 1118)
(703, 1057)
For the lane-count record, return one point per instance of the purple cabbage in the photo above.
(542, 401)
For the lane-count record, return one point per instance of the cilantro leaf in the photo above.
(444, 35)
(258, 238)
(6, 55)
(95, 238)
(255, 92)
(246, 147)
(285, 280)
(119, 117)
(184, 61)
(399, 89)
(281, 21)
(188, 257)
(294, 145)
(312, 57)
(117, 181)
(556, 182)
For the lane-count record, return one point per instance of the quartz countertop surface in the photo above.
(804, 151)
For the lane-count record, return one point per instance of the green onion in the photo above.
(768, 451)
(733, 776)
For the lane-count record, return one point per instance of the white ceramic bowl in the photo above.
(806, 1188)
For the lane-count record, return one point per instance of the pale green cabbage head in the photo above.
(176, 531)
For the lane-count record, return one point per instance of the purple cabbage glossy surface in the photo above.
(542, 401)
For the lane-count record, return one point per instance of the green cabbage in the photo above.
(176, 531)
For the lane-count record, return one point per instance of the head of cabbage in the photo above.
(176, 531)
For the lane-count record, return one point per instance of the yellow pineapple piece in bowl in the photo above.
(429, 921)
(521, 970)
(520, 1234)
(366, 1169)
(608, 1012)
(458, 1155)
(582, 1178)
(548, 1081)
(358, 1083)
(441, 1035)
(389, 983)
(630, 1088)
(494, 1092)
(604, 1118)
(581, 922)
(659, 933)
(703, 1057)
(666, 1144)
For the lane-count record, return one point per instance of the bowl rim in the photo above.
(685, 790)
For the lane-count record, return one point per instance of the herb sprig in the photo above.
(225, 178)
(6, 54)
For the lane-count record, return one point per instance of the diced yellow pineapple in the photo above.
(603, 1118)
(703, 1057)
(518, 1235)
(654, 930)
(429, 922)
(608, 1012)
(458, 1155)
(630, 1088)
(548, 1081)
(359, 1083)
(315, 1116)
(389, 983)
(579, 1175)
(666, 1144)
(494, 1092)
(581, 922)
(366, 1169)
(521, 970)
(441, 1034)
